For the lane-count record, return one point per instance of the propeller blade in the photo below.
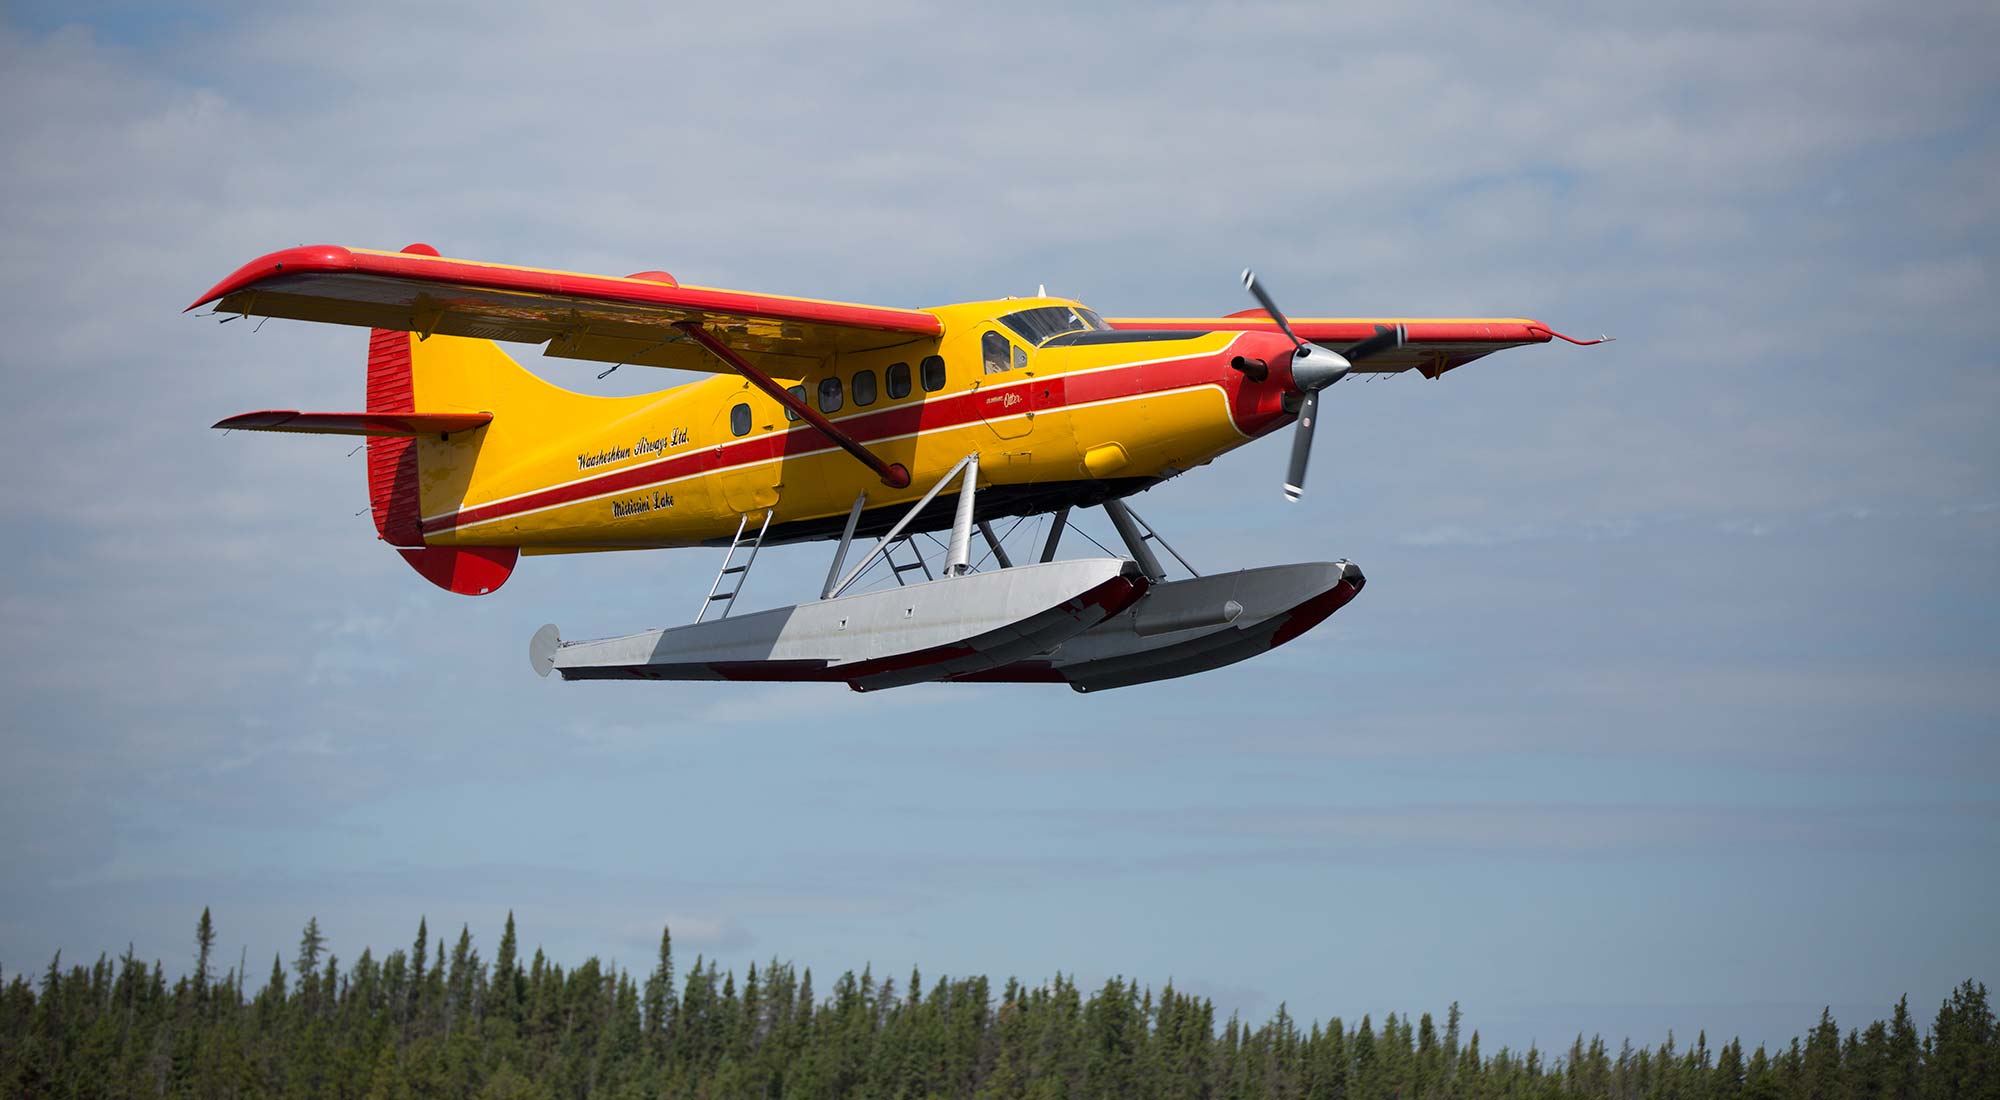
(1256, 290)
(1385, 339)
(1302, 445)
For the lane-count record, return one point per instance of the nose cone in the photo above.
(1316, 368)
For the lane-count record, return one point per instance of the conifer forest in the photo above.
(439, 1020)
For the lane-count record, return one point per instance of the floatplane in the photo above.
(835, 421)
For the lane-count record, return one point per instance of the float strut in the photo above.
(999, 551)
(846, 540)
(959, 561)
(882, 544)
(1055, 534)
(1135, 540)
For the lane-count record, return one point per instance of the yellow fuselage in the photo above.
(1065, 423)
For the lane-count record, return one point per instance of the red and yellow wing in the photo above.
(1433, 345)
(594, 317)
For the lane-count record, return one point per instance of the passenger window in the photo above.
(829, 395)
(864, 388)
(798, 392)
(1020, 358)
(899, 381)
(933, 373)
(995, 350)
(739, 419)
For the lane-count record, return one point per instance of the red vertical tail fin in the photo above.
(392, 460)
(392, 482)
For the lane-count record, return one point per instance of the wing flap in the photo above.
(354, 423)
(593, 317)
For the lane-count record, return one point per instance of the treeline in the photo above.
(439, 1021)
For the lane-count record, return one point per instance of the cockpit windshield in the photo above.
(1044, 322)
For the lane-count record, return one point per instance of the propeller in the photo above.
(1314, 368)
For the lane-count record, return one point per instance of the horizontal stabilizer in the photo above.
(355, 423)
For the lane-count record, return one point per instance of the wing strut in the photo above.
(883, 544)
(893, 474)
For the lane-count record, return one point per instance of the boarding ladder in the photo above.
(729, 568)
(898, 569)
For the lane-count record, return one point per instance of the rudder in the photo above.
(392, 482)
(392, 460)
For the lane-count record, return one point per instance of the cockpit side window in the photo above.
(997, 352)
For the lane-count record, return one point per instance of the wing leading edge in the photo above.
(1433, 345)
(593, 317)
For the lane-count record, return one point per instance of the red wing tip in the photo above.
(312, 257)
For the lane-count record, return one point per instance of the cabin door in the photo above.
(749, 477)
(1003, 401)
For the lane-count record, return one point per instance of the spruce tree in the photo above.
(1905, 1062)
(1820, 1069)
(505, 984)
(462, 979)
(1364, 1081)
(1964, 1063)
(659, 998)
(310, 945)
(420, 952)
(1728, 1076)
(204, 938)
(1452, 1020)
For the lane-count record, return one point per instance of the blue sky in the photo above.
(1671, 701)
